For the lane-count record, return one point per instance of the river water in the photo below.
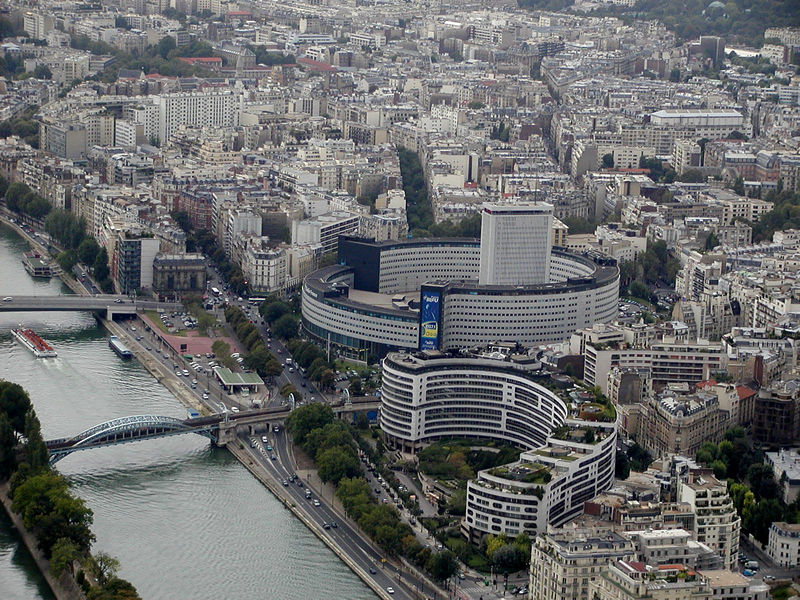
(185, 519)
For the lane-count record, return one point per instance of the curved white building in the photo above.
(426, 294)
(501, 396)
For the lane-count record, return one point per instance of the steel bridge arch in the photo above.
(125, 430)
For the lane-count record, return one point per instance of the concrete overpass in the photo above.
(111, 304)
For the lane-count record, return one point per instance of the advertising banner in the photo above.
(430, 317)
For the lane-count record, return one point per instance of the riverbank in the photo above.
(63, 588)
(70, 282)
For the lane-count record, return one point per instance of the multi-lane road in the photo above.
(366, 555)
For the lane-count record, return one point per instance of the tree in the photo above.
(100, 265)
(15, 404)
(712, 241)
(306, 418)
(509, 558)
(442, 565)
(35, 448)
(8, 442)
(114, 589)
(87, 250)
(356, 388)
(608, 161)
(335, 464)
(165, 46)
(285, 327)
(181, 217)
(63, 555)
(103, 567)
(622, 466)
(692, 176)
(42, 72)
(738, 186)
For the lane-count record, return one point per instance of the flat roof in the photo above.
(228, 377)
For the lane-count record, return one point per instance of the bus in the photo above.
(256, 301)
(215, 291)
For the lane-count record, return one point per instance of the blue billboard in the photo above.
(430, 319)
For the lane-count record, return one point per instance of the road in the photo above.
(364, 554)
(74, 302)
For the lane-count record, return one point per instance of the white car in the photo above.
(390, 590)
(234, 409)
(7, 299)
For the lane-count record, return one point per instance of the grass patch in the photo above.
(155, 318)
(782, 592)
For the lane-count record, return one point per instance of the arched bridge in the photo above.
(218, 427)
(132, 429)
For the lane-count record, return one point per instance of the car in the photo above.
(194, 381)
(372, 570)
(118, 300)
(316, 502)
(748, 573)
(334, 524)
(273, 457)
(148, 348)
(235, 409)
(390, 589)
(235, 355)
(133, 328)
(185, 373)
(285, 483)
(269, 448)
(769, 578)
(326, 526)
(264, 439)
(206, 396)
(299, 483)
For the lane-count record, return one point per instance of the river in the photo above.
(185, 519)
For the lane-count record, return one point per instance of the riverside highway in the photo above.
(365, 554)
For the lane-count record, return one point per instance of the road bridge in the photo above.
(111, 304)
(219, 428)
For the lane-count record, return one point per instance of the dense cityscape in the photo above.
(462, 301)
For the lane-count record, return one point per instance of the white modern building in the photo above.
(374, 301)
(325, 229)
(498, 394)
(515, 244)
(214, 108)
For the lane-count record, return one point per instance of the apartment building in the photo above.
(784, 544)
(717, 523)
(564, 563)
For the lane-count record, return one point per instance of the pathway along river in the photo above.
(185, 519)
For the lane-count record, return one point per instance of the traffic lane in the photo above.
(210, 383)
(282, 452)
(358, 551)
(344, 533)
(217, 404)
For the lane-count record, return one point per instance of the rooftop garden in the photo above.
(458, 460)
(523, 472)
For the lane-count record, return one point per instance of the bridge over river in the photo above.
(219, 428)
(111, 304)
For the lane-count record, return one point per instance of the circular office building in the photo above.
(501, 394)
(440, 294)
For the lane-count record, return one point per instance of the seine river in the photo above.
(186, 520)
